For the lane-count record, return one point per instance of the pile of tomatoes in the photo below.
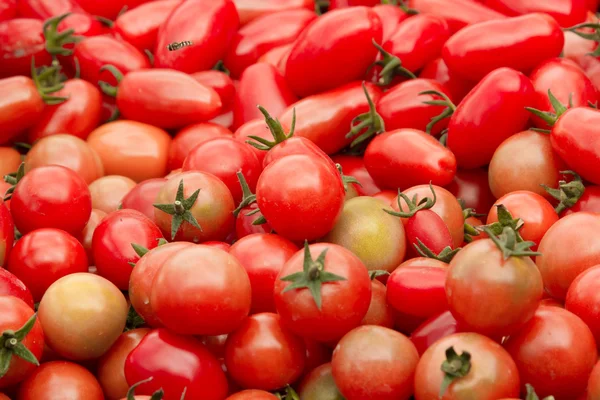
(299, 199)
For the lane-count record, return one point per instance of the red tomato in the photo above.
(22, 40)
(426, 229)
(82, 23)
(25, 351)
(10, 159)
(108, 191)
(324, 44)
(257, 127)
(201, 290)
(43, 256)
(44, 9)
(319, 384)
(520, 43)
(51, 197)
(140, 25)
(480, 123)
(555, 353)
(88, 233)
(244, 222)
(583, 299)
(109, 9)
(276, 56)
(10, 285)
(492, 374)
(220, 82)
(263, 354)
(593, 388)
(175, 363)
(189, 137)
(461, 14)
(387, 196)
(141, 198)
(7, 233)
(252, 9)
(354, 166)
(53, 380)
(339, 305)
(589, 201)
(432, 330)
(472, 187)
(263, 255)
(438, 71)
(568, 248)
(21, 107)
(380, 312)
(8, 10)
(219, 245)
(298, 209)
(566, 12)
(385, 372)
(220, 22)
(391, 16)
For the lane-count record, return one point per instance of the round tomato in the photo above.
(108, 192)
(583, 299)
(143, 195)
(252, 394)
(432, 330)
(10, 285)
(7, 233)
(319, 385)
(191, 136)
(380, 312)
(88, 233)
(10, 159)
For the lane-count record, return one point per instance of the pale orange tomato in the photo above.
(88, 232)
(10, 159)
(108, 191)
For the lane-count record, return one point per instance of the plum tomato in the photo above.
(432, 330)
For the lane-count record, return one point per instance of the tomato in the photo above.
(492, 374)
(374, 236)
(175, 363)
(438, 70)
(555, 353)
(524, 161)
(220, 82)
(7, 233)
(461, 14)
(66, 332)
(10, 285)
(224, 157)
(133, 149)
(589, 201)
(66, 150)
(191, 136)
(566, 12)
(480, 123)
(113, 240)
(536, 212)
(54, 379)
(212, 209)
(8, 10)
(51, 197)
(141, 197)
(257, 127)
(582, 300)
(108, 191)
(354, 166)
(201, 290)
(593, 388)
(263, 255)
(263, 34)
(22, 41)
(380, 312)
(472, 187)
(10, 159)
(111, 366)
(169, 99)
(324, 44)
(319, 385)
(432, 330)
(140, 25)
(23, 339)
(95, 52)
(568, 248)
(88, 233)
(82, 23)
(572, 141)
(276, 56)
(521, 43)
(390, 16)
(261, 84)
(244, 222)
(220, 22)
(386, 371)
(341, 297)
(43, 256)
(21, 107)
(252, 9)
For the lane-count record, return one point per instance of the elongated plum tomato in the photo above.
(432, 330)
(376, 237)
(308, 198)
(339, 305)
(51, 197)
(492, 373)
(252, 9)
(7, 233)
(201, 290)
(566, 12)
(72, 337)
(22, 40)
(113, 240)
(175, 363)
(191, 136)
(319, 385)
(385, 372)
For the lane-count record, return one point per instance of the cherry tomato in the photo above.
(593, 388)
(438, 71)
(380, 312)
(385, 372)
(432, 330)
(319, 385)
(21, 107)
(583, 299)
(8, 9)
(555, 353)
(221, 83)
(257, 127)
(10, 285)
(566, 12)
(141, 198)
(252, 9)
(7, 233)
(472, 187)
(108, 191)
(22, 40)
(244, 222)
(10, 159)
(191, 136)
(461, 14)
(589, 201)
(354, 166)
(51, 197)
(175, 363)
(88, 233)
(133, 149)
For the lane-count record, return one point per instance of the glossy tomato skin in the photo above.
(566, 12)
(53, 379)
(244, 223)
(44, 9)
(112, 244)
(252, 9)
(263, 255)
(583, 299)
(323, 45)
(438, 70)
(170, 99)
(77, 116)
(295, 210)
(257, 127)
(8, 10)
(555, 353)
(390, 16)
(589, 201)
(429, 228)
(191, 136)
(593, 388)
(404, 158)
(10, 285)
(7, 233)
(480, 123)
(461, 14)
(380, 312)
(295, 145)
(22, 39)
(142, 197)
(220, 21)
(568, 249)
(432, 330)
(175, 362)
(325, 118)
(472, 187)
(108, 191)
(140, 26)
(520, 43)
(43, 256)
(573, 141)
(15, 312)
(344, 303)
(261, 84)
(493, 374)
(51, 197)
(21, 107)
(201, 290)
(220, 82)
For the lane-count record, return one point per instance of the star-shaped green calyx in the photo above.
(11, 345)
(312, 276)
(180, 210)
(454, 367)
